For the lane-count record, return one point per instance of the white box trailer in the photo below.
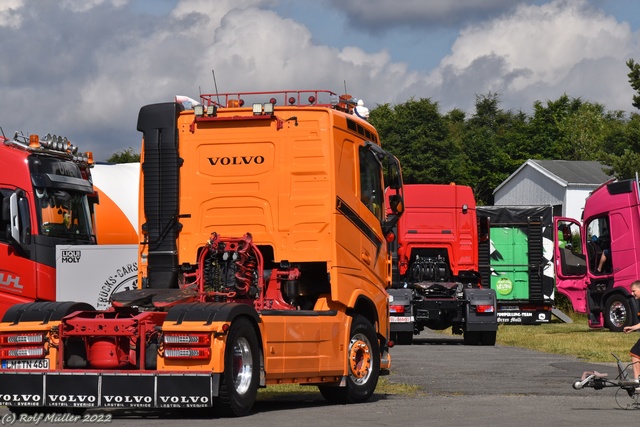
(92, 273)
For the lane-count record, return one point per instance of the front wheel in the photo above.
(241, 376)
(363, 363)
(617, 313)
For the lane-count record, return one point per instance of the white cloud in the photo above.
(9, 13)
(86, 5)
(554, 45)
(88, 72)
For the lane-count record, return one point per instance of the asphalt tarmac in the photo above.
(458, 386)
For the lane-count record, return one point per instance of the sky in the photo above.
(83, 68)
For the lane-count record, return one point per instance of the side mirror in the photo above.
(396, 204)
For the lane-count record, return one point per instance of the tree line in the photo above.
(484, 148)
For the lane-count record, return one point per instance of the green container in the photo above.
(510, 263)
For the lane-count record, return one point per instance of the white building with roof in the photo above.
(563, 184)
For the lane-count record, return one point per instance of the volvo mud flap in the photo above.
(88, 390)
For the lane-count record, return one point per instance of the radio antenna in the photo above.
(345, 86)
(215, 85)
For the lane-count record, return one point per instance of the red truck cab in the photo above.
(436, 283)
(45, 196)
(598, 259)
(439, 220)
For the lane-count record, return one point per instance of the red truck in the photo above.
(436, 283)
(47, 200)
(598, 259)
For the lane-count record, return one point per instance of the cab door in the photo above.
(18, 271)
(571, 262)
(373, 253)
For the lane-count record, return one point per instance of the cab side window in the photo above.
(599, 246)
(371, 194)
(5, 218)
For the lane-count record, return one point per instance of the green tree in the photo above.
(622, 147)
(481, 150)
(546, 138)
(581, 133)
(416, 133)
(634, 80)
(492, 145)
(124, 156)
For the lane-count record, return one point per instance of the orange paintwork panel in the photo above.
(273, 183)
(51, 351)
(214, 364)
(304, 346)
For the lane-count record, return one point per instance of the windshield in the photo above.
(63, 213)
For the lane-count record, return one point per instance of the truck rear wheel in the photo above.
(403, 338)
(617, 313)
(363, 362)
(489, 338)
(480, 337)
(472, 337)
(241, 376)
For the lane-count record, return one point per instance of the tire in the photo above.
(404, 338)
(241, 376)
(472, 338)
(488, 338)
(617, 313)
(43, 311)
(363, 365)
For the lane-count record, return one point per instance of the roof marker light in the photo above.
(34, 141)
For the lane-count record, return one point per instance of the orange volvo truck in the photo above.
(263, 260)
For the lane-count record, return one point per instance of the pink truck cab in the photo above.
(598, 259)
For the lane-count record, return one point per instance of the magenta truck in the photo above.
(598, 259)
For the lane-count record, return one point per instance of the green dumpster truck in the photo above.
(515, 254)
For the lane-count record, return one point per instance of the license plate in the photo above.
(400, 319)
(23, 364)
